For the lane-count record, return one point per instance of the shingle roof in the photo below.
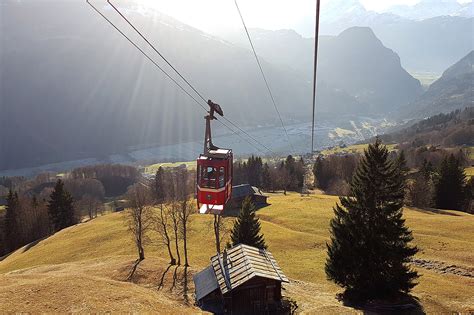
(242, 263)
(245, 190)
(205, 282)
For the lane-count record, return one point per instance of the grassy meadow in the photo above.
(355, 148)
(470, 171)
(296, 231)
(151, 169)
(471, 153)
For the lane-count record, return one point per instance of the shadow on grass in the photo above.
(25, 248)
(161, 284)
(403, 304)
(6, 256)
(185, 286)
(32, 244)
(175, 277)
(433, 211)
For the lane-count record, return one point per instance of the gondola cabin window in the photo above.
(221, 177)
(208, 177)
(211, 177)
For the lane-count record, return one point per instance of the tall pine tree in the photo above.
(450, 190)
(12, 230)
(319, 182)
(246, 228)
(369, 248)
(159, 186)
(266, 178)
(60, 207)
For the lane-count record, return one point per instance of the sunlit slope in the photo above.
(470, 171)
(296, 230)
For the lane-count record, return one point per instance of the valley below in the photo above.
(345, 130)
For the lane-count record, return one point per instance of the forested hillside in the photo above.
(452, 129)
(450, 92)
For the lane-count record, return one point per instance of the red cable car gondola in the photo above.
(214, 171)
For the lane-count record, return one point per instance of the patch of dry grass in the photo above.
(469, 171)
(151, 169)
(296, 230)
(97, 286)
(471, 152)
(355, 148)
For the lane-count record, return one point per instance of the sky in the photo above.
(218, 16)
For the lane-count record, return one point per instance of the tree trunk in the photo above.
(217, 220)
(141, 252)
(134, 268)
(185, 247)
(176, 236)
(167, 237)
(177, 246)
(90, 212)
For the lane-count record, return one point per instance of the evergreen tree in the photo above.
(450, 187)
(254, 171)
(470, 195)
(266, 178)
(246, 228)
(60, 207)
(401, 164)
(317, 172)
(159, 186)
(12, 230)
(299, 173)
(369, 248)
(427, 169)
(290, 164)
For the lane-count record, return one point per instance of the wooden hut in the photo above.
(242, 280)
(240, 192)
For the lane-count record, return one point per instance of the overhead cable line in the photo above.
(316, 41)
(156, 50)
(182, 77)
(263, 75)
(146, 55)
(179, 85)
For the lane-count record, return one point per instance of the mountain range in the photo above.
(421, 34)
(453, 90)
(75, 90)
(426, 9)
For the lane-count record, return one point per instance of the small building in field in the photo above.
(242, 280)
(240, 192)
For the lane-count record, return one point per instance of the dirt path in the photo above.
(443, 268)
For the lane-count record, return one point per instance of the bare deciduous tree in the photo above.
(221, 229)
(161, 227)
(174, 215)
(160, 193)
(90, 205)
(139, 217)
(183, 189)
(186, 210)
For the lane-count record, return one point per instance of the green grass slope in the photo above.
(296, 230)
